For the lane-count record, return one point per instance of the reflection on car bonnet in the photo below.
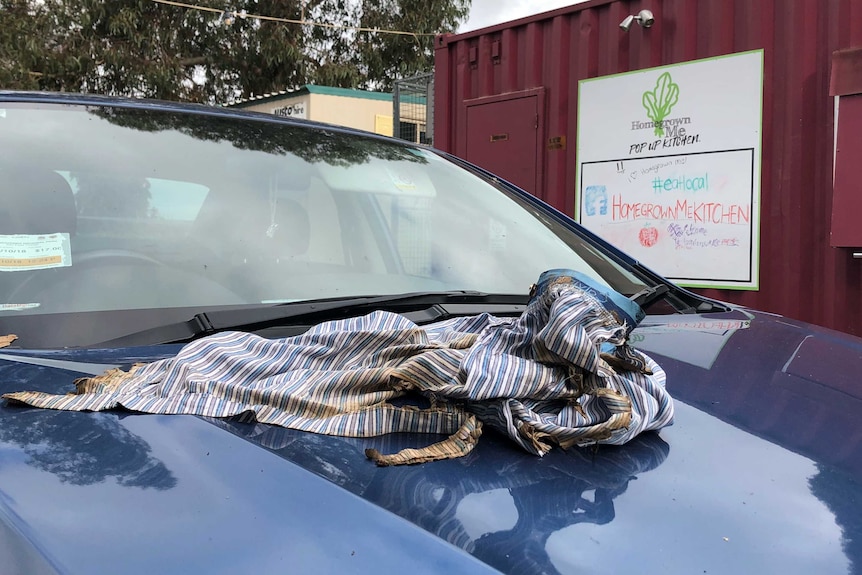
(541, 378)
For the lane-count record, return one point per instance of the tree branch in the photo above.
(196, 61)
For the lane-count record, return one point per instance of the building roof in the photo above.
(313, 89)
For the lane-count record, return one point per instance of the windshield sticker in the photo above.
(18, 306)
(34, 252)
(402, 181)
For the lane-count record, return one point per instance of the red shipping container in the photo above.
(506, 98)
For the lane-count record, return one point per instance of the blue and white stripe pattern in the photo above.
(540, 378)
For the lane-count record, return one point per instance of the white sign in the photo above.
(296, 110)
(34, 252)
(669, 167)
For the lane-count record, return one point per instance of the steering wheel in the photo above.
(102, 257)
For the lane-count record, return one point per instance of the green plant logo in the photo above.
(659, 101)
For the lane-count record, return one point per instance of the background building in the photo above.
(361, 109)
(507, 98)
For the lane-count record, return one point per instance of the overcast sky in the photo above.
(489, 12)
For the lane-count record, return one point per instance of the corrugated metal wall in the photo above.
(801, 276)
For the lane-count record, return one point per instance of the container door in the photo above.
(847, 189)
(503, 138)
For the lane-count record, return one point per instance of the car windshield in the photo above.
(136, 208)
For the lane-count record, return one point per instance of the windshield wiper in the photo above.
(421, 307)
(681, 299)
(650, 294)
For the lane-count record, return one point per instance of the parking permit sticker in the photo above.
(34, 252)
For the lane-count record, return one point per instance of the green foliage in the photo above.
(388, 58)
(659, 102)
(311, 145)
(142, 48)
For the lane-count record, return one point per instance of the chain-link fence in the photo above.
(413, 109)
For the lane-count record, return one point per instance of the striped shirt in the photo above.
(541, 378)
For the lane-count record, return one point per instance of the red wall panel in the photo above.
(801, 274)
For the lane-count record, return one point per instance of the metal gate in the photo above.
(413, 109)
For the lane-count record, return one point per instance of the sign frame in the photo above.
(685, 110)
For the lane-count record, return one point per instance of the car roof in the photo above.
(83, 99)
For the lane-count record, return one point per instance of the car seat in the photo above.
(36, 202)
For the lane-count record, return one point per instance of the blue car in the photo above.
(131, 230)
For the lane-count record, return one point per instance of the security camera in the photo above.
(645, 18)
(627, 23)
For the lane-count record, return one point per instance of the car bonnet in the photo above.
(760, 473)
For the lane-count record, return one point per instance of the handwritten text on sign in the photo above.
(688, 217)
